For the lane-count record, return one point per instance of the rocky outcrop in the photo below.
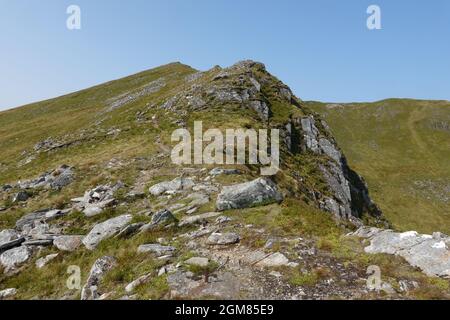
(157, 249)
(258, 192)
(350, 193)
(430, 253)
(68, 243)
(223, 238)
(9, 239)
(105, 230)
(42, 262)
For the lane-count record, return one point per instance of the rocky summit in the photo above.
(92, 206)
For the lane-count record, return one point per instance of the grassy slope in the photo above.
(402, 148)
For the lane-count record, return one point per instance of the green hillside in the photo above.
(402, 148)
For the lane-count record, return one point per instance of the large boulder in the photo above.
(258, 192)
(105, 230)
(430, 253)
(96, 200)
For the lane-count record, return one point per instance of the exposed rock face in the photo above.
(261, 191)
(98, 270)
(220, 171)
(15, 257)
(105, 230)
(351, 197)
(430, 253)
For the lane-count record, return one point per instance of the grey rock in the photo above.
(261, 108)
(42, 262)
(96, 200)
(274, 260)
(197, 261)
(98, 270)
(38, 243)
(171, 186)
(21, 196)
(310, 133)
(15, 257)
(223, 238)
(198, 218)
(56, 179)
(330, 150)
(161, 218)
(430, 254)
(129, 230)
(105, 230)
(261, 191)
(220, 171)
(68, 243)
(10, 239)
(8, 293)
(46, 215)
(138, 282)
(157, 249)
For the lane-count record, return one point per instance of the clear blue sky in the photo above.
(321, 48)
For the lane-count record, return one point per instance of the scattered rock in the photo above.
(30, 220)
(223, 238)
(56, 179)
(96, 200)
(105, 230)
(261, 191)
(156, 249)
(42, 262)
(98, 270)
(274, 260)
(129, 230)
(223, 220)
(171, 186)
(68, 243)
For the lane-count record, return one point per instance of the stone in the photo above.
(197, 261)
(157, 249)
(161, 218)
(310, 133)
(138, 282)
(96, 200)
(220, 171)
(21, 196)
(8, 293)
(171, 186)
(46, 215)
(98, 270)
(223, 220)
(429, 253)
(198, 218)
(274, 260)
(42, 262)
(38, 243)
(223, 238)
(10, 239)
(56, 179)
(15, 257)
(105, 230)
(259, 192)
(68, 243)
(129, 230)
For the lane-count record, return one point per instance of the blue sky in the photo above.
(321, 48)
